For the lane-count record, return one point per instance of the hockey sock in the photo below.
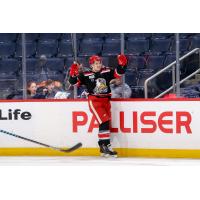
(104, 132)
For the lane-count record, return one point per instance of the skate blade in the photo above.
(104, 155)
(108, 155)
(114, 156)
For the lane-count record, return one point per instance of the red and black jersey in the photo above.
(98, 83)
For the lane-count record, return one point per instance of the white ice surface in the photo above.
(95, 161)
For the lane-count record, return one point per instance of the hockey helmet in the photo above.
(94, 58)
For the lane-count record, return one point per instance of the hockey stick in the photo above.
(78, 145)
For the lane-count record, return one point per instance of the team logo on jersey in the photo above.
(92, 77)
(101, 86)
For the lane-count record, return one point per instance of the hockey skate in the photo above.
(106, 150)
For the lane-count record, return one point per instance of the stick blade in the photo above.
(75, 147)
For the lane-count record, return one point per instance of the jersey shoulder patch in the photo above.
(105, 70)
(88, 73)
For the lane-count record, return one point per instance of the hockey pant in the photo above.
(101, 109)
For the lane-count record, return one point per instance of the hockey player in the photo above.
(97, 82)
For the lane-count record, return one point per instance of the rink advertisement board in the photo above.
(158, 128)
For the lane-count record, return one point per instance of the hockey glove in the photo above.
(74, 70)
(122, 60)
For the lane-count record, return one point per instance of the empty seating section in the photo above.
(113, 35)
(90, 46)
(186, 35)
(162, 35)
(142, 76)
(55, 65)
(160, 45)
(195, 42)
(9, 69)
(32, 65)
(94, 35)
(48, 48)
(65, 48)
(8, 37)
(131, 79)
(49, 36)
(7, 49)
(155, 62)
(30, 49)
(136, 46)
(146, 52)
(30, 37)
(138, 35)
(66, 36)
(169, 59)
(111, 47)
(183, 45)
(136, 62)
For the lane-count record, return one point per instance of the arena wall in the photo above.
(147, 128)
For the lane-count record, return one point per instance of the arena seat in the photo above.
(49, 36)
(30, 49)
(154, 87)
(113, 35)
(142, 76)
(9, 68)
(30, 37)
(6, 88)
(94, 35)
(137, 62)
(195, 42)
(65, 48)
(164, 80)
(57, 77)
(137, 35)
(162, 35)
(55, 64)
(160, 46)
(131, 78)
(8, 37)
(137, 92)
(185, 35)
(155, 62)
(66, 36)
(7, 49)
(111, 47)
(169, 59)
(31, 65)
(48, 48)
(7, 85)
(92, 40)
(79, 36)
(136, 46)
(90, 47)
(183, 45)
